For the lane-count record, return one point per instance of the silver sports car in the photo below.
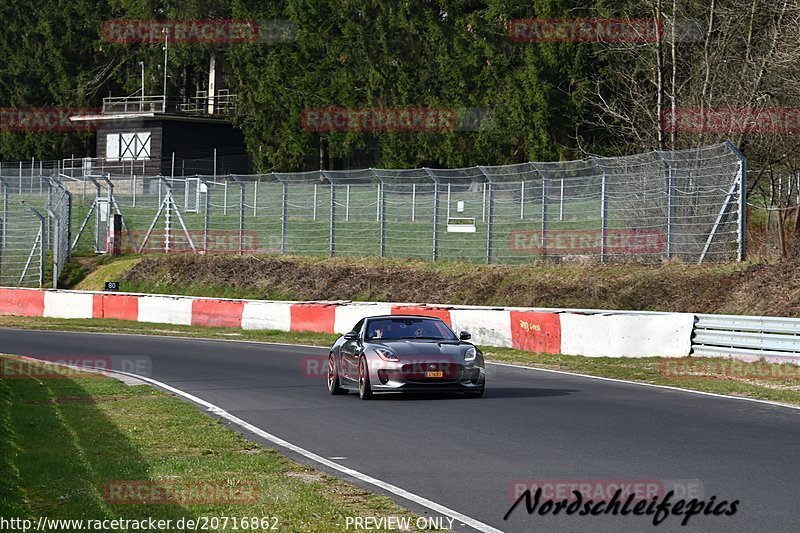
(404, 353)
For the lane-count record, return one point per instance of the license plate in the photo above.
(434, 374)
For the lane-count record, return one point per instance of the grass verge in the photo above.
(64, 437)
(764, 381)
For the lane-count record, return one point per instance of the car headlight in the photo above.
(385, 354)
(470, 354)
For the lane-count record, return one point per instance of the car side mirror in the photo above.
(351, 336)
(464, 336)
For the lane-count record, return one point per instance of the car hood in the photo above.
(410, 350)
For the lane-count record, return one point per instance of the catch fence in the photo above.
(35, 225)
(683, 205)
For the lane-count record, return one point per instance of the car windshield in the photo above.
(408, 328)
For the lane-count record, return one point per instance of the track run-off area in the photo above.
(472, 457)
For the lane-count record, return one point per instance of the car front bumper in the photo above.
(396, 377)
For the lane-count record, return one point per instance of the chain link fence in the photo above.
(35, 222)
(683, 205)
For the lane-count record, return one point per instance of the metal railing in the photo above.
(773, 338)
(222, 104)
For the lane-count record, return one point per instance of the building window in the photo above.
(128, 146)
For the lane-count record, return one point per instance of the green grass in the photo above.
(108, 271)
(63, 438)
(644, 370)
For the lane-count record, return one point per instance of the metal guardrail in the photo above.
(748, 336)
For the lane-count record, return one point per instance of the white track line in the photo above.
(419, 500)
(690, 391)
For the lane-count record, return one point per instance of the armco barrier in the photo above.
(579, 332)
(747, 337)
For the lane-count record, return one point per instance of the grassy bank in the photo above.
(757, 288)
(64, 437)
(778, 383)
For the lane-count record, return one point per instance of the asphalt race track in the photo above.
(467, 454)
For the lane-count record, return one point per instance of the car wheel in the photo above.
(364, 388)
(333, 377)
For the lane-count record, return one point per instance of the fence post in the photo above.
(206, 215)
(241, 217)
(603, 209)
(522, 200)
(314, 208)
(378, 205)
(383, 219)
(483, 204)
(41, 249)
(3, 222)
(545, 200)
(347, 204)
(670, 241)
(413, 201)
(544, 214)
(741, 178)
(489, 215)
(57, 230)
(284, 209)
(448, 200)
(435, 212)
(332, 236)
(255, 198)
